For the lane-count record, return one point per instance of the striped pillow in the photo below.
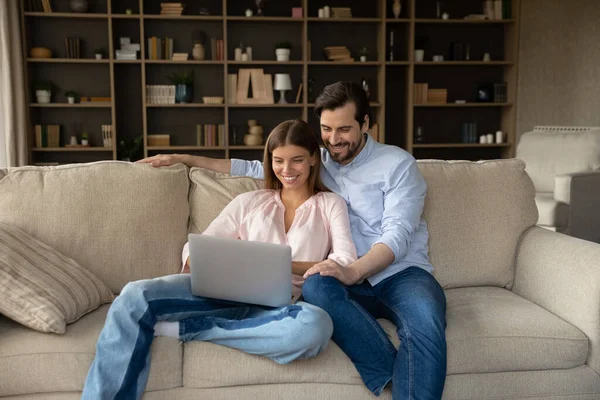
(41, 288)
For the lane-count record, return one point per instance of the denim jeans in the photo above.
(122, 363)
(414, 301)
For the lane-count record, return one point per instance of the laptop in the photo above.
(239, 270)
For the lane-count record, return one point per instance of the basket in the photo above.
(212, 100)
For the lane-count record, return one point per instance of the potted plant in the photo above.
(283, 50)
(84, 139)
(364, 52)
(130, 148)
(184, 86)
(43, 91)
(98, 53)
(71, 96)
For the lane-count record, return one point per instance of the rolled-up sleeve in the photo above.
(404, 199)
(343, 250)
(253, 169)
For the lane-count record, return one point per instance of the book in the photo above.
(299, 93)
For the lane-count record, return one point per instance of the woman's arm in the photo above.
(343, 250)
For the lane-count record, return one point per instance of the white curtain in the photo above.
(13, 111)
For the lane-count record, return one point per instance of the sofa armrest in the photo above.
(562, 274)
(581, 191)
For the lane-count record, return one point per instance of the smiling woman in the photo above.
(13, 132)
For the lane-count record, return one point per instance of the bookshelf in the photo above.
(391, 81)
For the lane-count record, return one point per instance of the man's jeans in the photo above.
(414, 301)
(122, 363)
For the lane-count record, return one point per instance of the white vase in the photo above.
(98, 56)
(363, 58)
(396, 8)
(282, 54)
(43, 96)
(419, 55)
(71, 100)
(198, 52)
(84, 142)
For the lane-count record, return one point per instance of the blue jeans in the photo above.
(122, 363)
(414, 301)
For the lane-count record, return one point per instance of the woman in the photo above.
(295, 209)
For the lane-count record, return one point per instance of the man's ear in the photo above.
(365, 125)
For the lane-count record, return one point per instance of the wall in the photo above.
(559, 63)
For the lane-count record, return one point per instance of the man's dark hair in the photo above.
(339, 94)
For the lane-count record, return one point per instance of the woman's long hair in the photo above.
(298, 133)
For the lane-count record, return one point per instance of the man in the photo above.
(385, 193)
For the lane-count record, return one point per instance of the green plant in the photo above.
(184, 78)
(44, 85)
(364, 51)
(283, 45)
(130, 148)
(84, 136)
(71, 93)
(99, 50)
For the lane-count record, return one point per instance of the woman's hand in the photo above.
(347, 275)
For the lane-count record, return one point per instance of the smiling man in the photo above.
(385, 194)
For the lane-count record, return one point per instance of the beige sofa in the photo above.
(523, 302)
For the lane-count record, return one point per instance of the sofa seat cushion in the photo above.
(494, 330)
(35, 362)
(551, 212)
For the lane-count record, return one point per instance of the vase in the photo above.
(198, 52)
(396, 8)
(78, 6)
(43, 96)
(184, 94)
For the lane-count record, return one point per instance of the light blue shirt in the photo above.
(385, 194)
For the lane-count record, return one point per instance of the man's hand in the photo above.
(164, 160)
(347, 275)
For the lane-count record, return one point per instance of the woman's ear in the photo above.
(313, 160)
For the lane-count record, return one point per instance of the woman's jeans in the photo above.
(122, 363)
(414, 301)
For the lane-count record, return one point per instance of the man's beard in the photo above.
(341, 157)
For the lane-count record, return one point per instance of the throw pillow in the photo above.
(40, 287)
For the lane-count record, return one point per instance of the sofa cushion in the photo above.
(122, 221)
(494, 330)
(211, 191)
(34, 362)
(551, 212)
(475, 213)
(548, 154)
(41, 288)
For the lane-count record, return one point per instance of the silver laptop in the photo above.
(240, 270)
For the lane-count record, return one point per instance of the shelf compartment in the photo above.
(91, 104)
(69, 60)
(66, 15)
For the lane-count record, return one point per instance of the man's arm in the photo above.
(234, 167)
(164, 160)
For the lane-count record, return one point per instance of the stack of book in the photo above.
(107, 134)
(160, 94)
(437, 96)
(338, 53)
(72, 46)
(171, 8)
(420, 93)
(180, 56)
(47, 136)
(159, 140)
(159, 48)
(217, 50)
(95, 99)
(210, 135)
(341, 12)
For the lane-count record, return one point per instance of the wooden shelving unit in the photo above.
(391, 81)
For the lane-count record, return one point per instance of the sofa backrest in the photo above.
(475, 214)
(211, 191)
(121, 221)
(549, 151)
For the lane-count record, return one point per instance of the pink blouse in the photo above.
(320, 230)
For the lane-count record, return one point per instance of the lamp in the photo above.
(283, 82)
